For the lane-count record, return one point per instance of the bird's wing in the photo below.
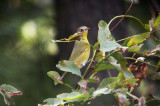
(78, 49)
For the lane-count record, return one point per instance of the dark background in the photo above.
(27, 26)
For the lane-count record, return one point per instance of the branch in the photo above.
(122, 17)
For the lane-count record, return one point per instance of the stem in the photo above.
(91, 62)
(123, 16)
(104, 60)
(109, 73)
(67, 85)
(108, 56)
(127, 16)
(125, 38)
(53, 41)
(63, 75)
(155, 38)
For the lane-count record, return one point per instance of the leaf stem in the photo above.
(67, 85)
(125, 39)
(91, 62)
(128, 16)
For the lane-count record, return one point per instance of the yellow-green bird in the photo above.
(81, 50)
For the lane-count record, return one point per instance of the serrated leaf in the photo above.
(138, 39)
(157, 22)
(54, 101)
(73, 96)
(68, 66)
(108, 46)
(55, 76)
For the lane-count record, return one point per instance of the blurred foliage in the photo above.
(26, 28)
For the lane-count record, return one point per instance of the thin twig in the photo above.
(123, 16)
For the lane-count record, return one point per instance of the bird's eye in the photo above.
(81, 30)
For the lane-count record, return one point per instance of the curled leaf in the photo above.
(139, 71)
(55, 76)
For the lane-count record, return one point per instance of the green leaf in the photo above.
(157, 22)
(125, 42)
(135, 48)
(96, 45)
(101, 91)
(99, 56)
(122, 99)
(104, 32)
(130, 80)
(9, 88)
(55, 76)
(108, 46)
(103, 66)
(138, 39)
(120, 59)
(121, 67)
(54, 101)
(7, 92)
(127, 74)
(106, 86)
(94, 79)
(68, 66)
(106, 40)
(147, 27)
(108, 82)
(83, 84)
(73, 96)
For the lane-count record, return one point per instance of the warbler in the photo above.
(81, 50)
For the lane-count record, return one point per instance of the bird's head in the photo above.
(81, 34)
(83, 31)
